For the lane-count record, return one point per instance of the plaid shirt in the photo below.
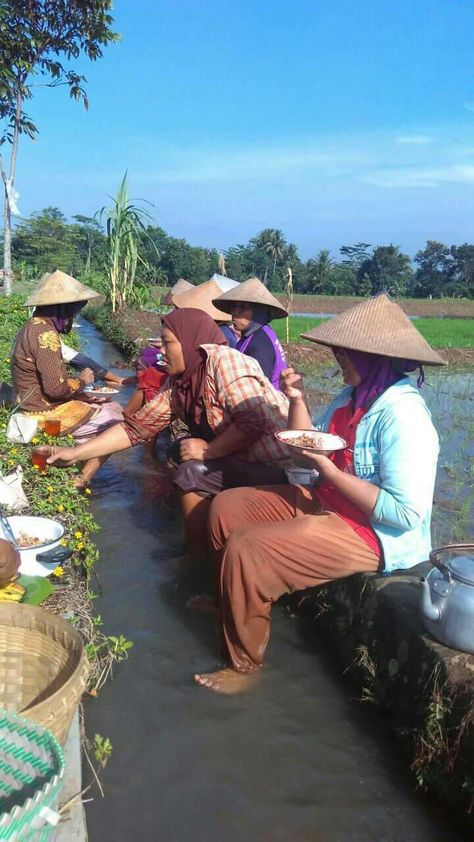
(235, 392)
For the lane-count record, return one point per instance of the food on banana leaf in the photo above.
(12, 592)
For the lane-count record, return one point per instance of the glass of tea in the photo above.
(52, 426)
(39, 456)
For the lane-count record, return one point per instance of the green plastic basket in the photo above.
(31, 776)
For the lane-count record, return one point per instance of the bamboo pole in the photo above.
(289, 301)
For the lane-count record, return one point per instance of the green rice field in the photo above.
(440, 333)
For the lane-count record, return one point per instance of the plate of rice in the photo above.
(314, 440)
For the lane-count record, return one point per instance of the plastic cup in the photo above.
(39, 456)
(52, 426)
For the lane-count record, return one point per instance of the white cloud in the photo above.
(415, 139)
(421, 176)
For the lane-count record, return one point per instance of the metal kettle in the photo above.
(447, 597)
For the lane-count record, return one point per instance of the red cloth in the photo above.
(150, 380)
(344, 423)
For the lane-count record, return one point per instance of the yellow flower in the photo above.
(35, 440)
(60, 507)
(11, 462)
(49, 488)
(58, 571)
(13, 451)
(63, 542)
(78, 534)
(36, 467)
(7, 359)
(87, 491)
(80, 546)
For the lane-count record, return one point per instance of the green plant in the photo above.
(125, 226)
(102, 750)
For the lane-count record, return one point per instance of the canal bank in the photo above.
(299, 758)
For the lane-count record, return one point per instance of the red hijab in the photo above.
(192, 328)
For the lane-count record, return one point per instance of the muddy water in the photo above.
(297, 759)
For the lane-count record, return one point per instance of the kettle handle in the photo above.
(454, 548)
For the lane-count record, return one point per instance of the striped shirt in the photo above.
(235, 392)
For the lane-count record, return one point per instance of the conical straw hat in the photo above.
(252, 292)
(377, 326)
(201, 298)
(180, 286)
(223, 282)
(59, 288)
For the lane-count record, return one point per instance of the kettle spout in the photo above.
(429, 609)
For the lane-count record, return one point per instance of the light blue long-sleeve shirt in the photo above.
(396, 447)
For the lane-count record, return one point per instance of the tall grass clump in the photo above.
(125, 228)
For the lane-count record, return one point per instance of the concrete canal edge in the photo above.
(72, 827)
(375, 625)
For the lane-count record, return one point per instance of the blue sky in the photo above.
(335, 121)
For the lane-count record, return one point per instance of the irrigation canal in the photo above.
(297, 759)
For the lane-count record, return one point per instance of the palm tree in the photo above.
(274, 245)
(320, 268)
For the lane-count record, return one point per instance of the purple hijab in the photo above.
(377, 373)
(61, 315)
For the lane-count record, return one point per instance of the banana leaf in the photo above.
(38, 588)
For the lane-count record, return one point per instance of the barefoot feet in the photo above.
(227, 680)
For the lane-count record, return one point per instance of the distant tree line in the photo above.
(46, 240)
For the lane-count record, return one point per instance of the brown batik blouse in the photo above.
(39, 373)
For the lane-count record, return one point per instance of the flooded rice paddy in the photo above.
(298, 758)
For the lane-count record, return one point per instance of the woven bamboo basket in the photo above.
(43, 666)
(31, 774)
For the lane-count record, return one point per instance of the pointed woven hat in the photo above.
(377, 326)
(59, 288)
(180, 286)
(252, 292)
(201, 298)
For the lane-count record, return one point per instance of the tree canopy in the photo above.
(47, 240)
(36, 38)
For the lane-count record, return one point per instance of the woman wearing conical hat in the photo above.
(371, 508)
(252, 308)
(41, 383)
(201, 298)
(229, 408)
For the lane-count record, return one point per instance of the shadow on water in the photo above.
(297, 758)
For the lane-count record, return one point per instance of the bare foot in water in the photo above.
(80, 483)
(202, 602)
(227, 680)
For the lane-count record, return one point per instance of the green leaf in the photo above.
(38, 588)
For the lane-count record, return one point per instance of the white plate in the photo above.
(100, 393)
(324, 443)
(50, 531)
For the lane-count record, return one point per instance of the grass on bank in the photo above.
(440, 333)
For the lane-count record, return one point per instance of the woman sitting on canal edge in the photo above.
(229, 407)
(42, 387)
(372, 508)
(252, 307)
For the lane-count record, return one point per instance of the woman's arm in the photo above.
(111, 441)
(230, 441)
(298, 415)
(361, 492)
